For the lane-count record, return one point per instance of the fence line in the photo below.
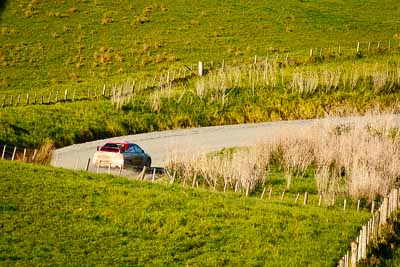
(358, 249)
(112, 91)
(15, 153)
(123, 93)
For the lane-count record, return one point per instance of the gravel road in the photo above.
(160, 144)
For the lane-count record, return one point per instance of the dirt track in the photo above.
(160, 144)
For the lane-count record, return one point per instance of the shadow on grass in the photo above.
(2, 7)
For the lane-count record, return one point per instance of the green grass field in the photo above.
(51, 46)
(54, 216)
(61, 43)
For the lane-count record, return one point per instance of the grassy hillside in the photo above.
(214, 100)
(62, 43)
(50, 46)
(53, 216)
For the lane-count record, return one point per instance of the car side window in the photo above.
(138, 149)
(131, 148)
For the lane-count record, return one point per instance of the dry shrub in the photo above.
(295, 152)
(360, 158)
(45, 152)
(243, 170)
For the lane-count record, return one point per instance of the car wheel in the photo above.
(148, 163)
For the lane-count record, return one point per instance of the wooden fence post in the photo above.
(262, 194)
(305, 198)
(372, 226)
(297, 198)
(66, 95)
(377, 219)
(153, 177)
(13, 155)
(34, 154)
(358, 205)
(88, 164)
(143, 173)
(270, 194)
(364, 242)
(200, 69)
(173, 178)
(354, 249)
(311, 52)
(395, 199)
(24, 157)
(283, 195)
(359, 241)
(384, 211)
(358, 47)
(344, 204)
(4, 152)
(247, 189)
(194, 179)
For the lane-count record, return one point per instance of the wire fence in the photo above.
(8, 152)
(167, 78)
(369, 232)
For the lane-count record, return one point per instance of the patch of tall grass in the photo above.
(360, 158)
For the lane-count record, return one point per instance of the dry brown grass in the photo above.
(358, 158)
(305, 80)
(45, 152)
(242, 170)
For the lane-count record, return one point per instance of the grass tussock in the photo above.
(45, 152)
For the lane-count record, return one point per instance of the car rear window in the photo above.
(110, 148)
